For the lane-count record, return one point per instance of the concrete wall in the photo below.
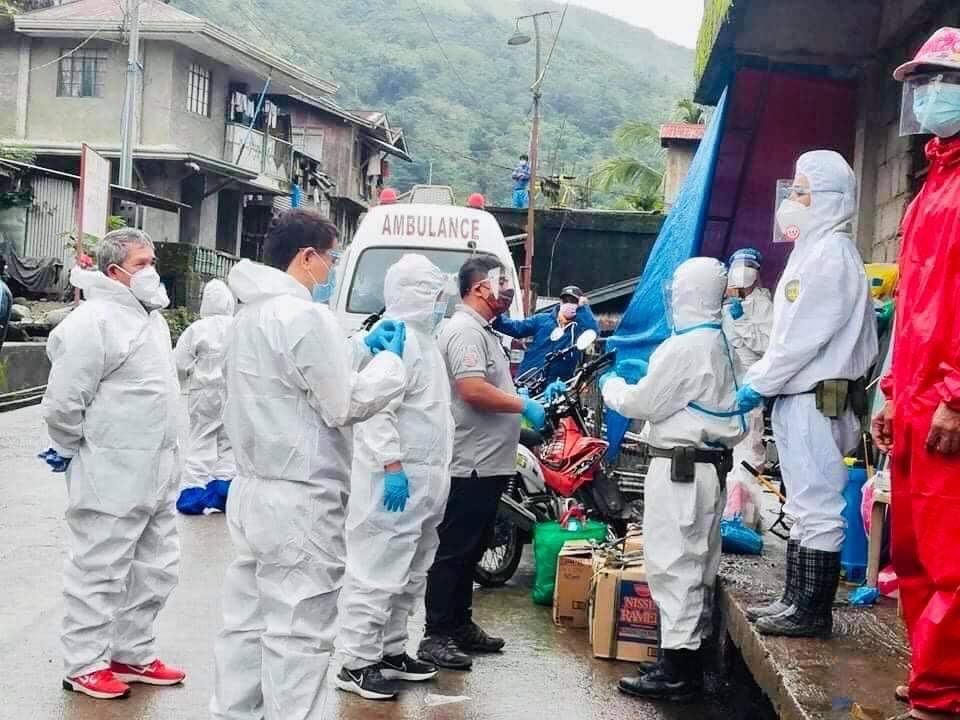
(156, 108)
(190, 131)
(95, 120)
(679, 158)
(9, 52)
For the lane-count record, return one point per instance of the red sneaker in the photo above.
(102, 684)
(156, 673)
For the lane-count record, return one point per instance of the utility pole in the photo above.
(531, 208)
(430, 177)
(520, 38)
(128, 124)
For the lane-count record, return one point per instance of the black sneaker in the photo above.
(472, 638)
(404, 667)
(366, 682)
(444, 652)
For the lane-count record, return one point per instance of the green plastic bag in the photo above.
(548, 540)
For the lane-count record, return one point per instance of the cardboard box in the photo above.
(571, 594)
(633, 543)
(623, 616)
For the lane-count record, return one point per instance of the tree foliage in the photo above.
(471, 116)
(633, 178)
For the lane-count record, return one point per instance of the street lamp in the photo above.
(521, 38)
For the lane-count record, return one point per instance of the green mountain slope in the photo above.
(471, 116)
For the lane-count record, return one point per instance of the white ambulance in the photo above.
(446, 234)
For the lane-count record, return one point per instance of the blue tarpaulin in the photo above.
(644, 325)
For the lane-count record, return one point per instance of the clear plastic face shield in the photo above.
(501, 287)
(448, 296)
(667, 291)
(743, 273)
(787, 192)
(931, 104)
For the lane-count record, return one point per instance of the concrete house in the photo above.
(227, 131)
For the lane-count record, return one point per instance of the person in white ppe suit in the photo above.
(209, 465)
(399, 488)
(747, 320)
(294, 388)
(111, 410)
(824, 338)
(688, 400)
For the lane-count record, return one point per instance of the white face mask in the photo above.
(742, 277)
(146, 287)
(793, 219)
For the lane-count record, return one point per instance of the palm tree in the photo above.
(635, 173)
(689, 112)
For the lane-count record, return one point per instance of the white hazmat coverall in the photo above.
(749, 336)
(823, 328)
(389, 553)
(688, 399)
(199, 355)
(111, 404)
(293, 390)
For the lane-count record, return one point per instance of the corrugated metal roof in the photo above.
(112, 10)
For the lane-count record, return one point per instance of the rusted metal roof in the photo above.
(681, 131)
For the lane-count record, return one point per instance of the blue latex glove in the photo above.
(396, 343)
(558, 388)
(736, 308)
(49, 452)
(748, 399)
(383, 333)
(523, 392)
(396, 490)
(57, 462)
(535, 414)
(632, 371)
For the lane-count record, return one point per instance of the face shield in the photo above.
(784, 203)
(744, 273)
(500, 284)
(931, 104)
(447, 298)
(667, 291)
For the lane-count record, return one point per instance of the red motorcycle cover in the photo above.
(567, 461)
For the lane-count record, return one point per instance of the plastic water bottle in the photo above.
(853, 554)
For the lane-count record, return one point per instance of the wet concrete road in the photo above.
(546, 672)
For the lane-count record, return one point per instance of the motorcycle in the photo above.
(564, 466)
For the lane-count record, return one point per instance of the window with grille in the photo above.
(198, 90)
(81, 73)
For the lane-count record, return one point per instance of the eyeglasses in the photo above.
(799, 190)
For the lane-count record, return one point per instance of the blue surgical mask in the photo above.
(938, 109)
(322, 292)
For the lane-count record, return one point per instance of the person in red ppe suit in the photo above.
(920, 422)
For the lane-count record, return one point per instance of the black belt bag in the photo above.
(683, 462)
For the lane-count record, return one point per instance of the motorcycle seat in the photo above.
(530, 439)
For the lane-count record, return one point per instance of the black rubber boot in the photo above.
(677, 678)
(790, 590)
(812, 614)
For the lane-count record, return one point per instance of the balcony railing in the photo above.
(213, 263)
(263, 154)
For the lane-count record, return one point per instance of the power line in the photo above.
(446, 57)
(67, 54)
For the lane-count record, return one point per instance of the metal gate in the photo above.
(52, 215)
